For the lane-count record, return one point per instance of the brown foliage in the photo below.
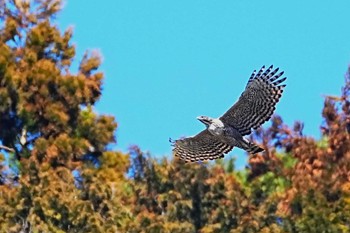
(57, 174)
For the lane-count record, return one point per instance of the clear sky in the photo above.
(167, 62)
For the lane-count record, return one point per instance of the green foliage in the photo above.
(57, 174)
(60, 177)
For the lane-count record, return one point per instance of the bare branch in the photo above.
(9, 149)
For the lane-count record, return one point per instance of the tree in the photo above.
(58, 175)
(56, 144)
(298, 184)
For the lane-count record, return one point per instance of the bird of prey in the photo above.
(255, 106)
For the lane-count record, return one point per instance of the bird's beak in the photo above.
(202, 120)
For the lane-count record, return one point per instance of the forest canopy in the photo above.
(58, 174)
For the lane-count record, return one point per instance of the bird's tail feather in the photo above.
(253, 149)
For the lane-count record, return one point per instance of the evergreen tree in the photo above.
(61, 178)
(57, 174)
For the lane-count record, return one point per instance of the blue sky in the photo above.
(167, 62)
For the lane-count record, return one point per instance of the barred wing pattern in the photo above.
(203, 146)
(258, 101)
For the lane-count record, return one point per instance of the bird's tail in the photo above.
(253, 149)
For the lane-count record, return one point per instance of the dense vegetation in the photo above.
(57, 174)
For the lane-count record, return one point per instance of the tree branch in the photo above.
(9, 149)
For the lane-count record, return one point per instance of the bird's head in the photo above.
(205, 120)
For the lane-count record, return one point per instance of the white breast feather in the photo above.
(216, 127)
(218, 123)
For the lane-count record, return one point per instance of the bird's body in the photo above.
(254, 107)
(217, 127)
(228, 134)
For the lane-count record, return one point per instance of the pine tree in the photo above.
(60, 177)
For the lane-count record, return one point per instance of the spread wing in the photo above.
(203, 146)
(258, 101)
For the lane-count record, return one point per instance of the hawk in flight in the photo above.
(255, 106)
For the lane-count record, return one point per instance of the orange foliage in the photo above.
(57, 175)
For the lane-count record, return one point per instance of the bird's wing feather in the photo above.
(257, 103)
(203, 146)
